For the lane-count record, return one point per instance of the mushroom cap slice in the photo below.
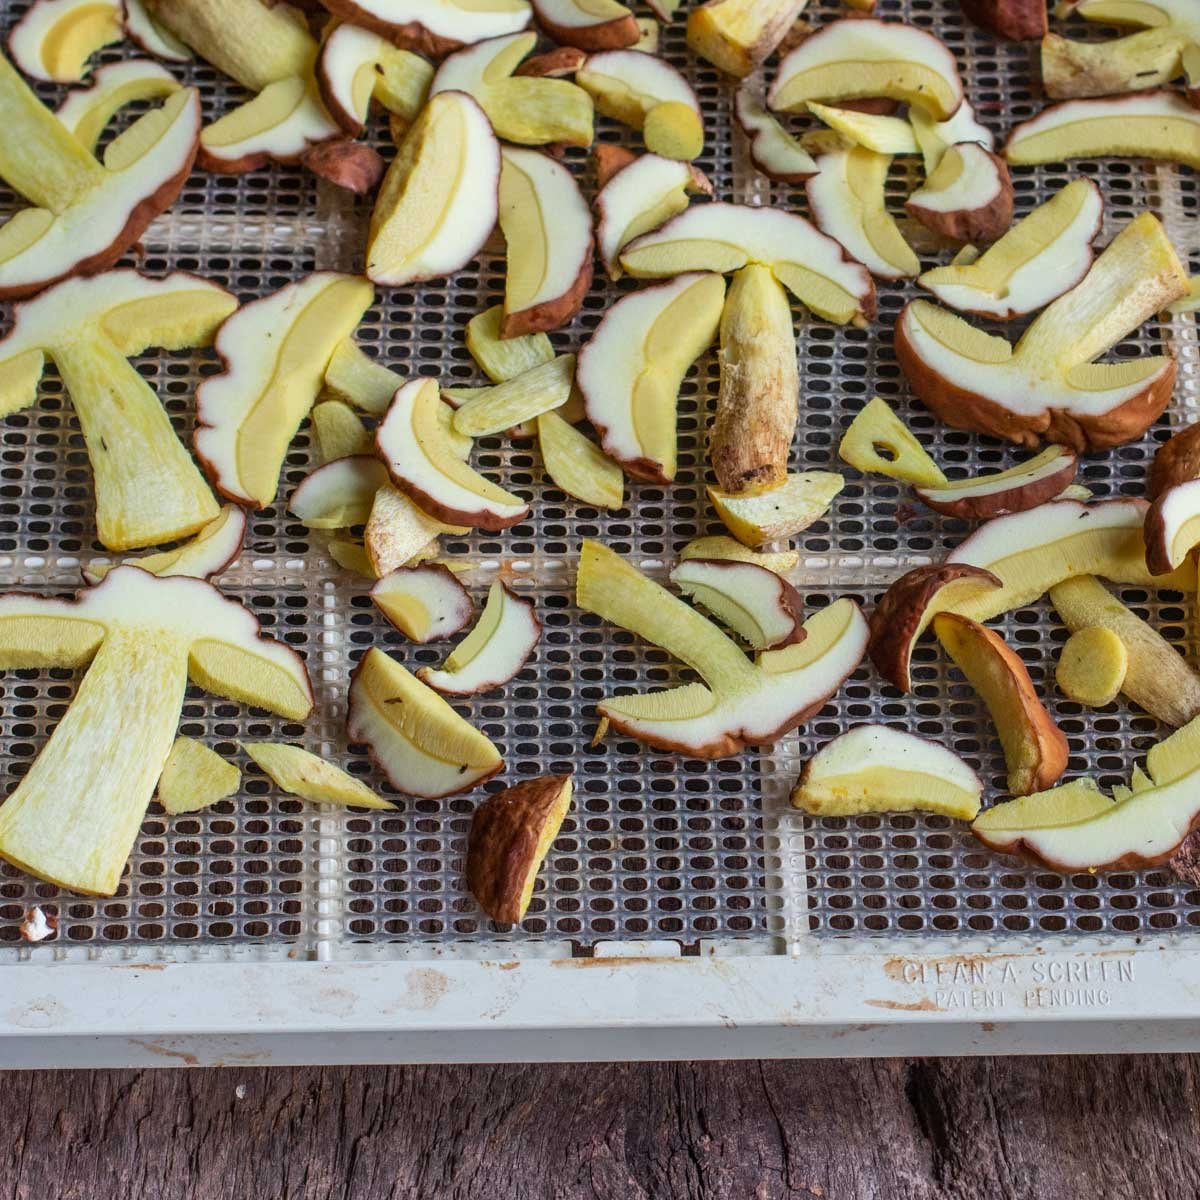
(422, 745)
(145, 33)
(340, 493)
(591, 25)
(426, 603)
(967, 198)
(861, 58)
(439, 200)
(1000, 493)
(54, 39)
(761, 607)
(1172, 527)
(249, 414)
(86, 112)
(725, 237)
(435, 28)
(875, 768)
(773, 150)
(356, 66)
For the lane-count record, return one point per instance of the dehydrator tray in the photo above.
(685, 909)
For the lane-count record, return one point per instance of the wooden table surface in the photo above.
(1051, 1128)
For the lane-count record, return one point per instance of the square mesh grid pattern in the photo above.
(655, 847)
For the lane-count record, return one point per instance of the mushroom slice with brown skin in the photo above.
(356, 67)
(762, 608)
(511, 834)
(737, 35)
(426, 603)
(301, 773)
(1167, 46)
(878, 441)
(756, 413)
(639, 198)
(1158, 124)
(145, 33)
(1049, 385)
(422, 745)
(54, 39)
(1076, 827)
(248, 415)
(908, 607)
(439, 200)
(773, 150)
(849, 203)
(209, 553)
(967, 198)
(74, 817)
(435, 28)
(1176, 461)
(195, 777)
(527, 110)
(740, 702)
(858, 59)
(414, 445)
(646, 93)
(1022, 487)
(778, 513)
(1014, 20)
(726, 237)
(631, 369)
(340, 493)
(148, 489)
(1032, 551)
(547, 228)
(588, 24)
(86, 112)
(494, 652)
(85, 214)
(1035, 749)
(557, 63)
(875, 768)
(1173, 522)
(1042, 256)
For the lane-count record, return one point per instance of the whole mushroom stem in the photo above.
(94, 779)
(42, 160)
(760, 385)
(148, 489)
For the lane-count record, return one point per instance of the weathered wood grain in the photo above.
(893, 1129)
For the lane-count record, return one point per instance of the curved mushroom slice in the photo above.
(1001, 493)
(145, 33)
(1032, 551)
(744, 702)
(763, 609)
(74, 817)
(338, 432)
(1077, 827)
(872, 131)
(414, 444)
(1035, 749)
(356, 66)
(773, 150)
(1041, 257)
(737, 35)
(1048, 385)
(877, 440)
(301, 773)
(781, 512)
(1176, 461)
(493, 652)
(547, 228)
(849, 203)
(206, 555)
(495, 409)
(86, 112)
(340, 493)
(248, 415)
(935, 137)
(532, 111)
(1158, 125)
(422, 745)
(511, 834)
(85, 215)
(639, 198)
(1173, 527)
(426, 603)
(728, 549)
(1016, 20)
(280, 124)
(968, 198)
(440, 198)
(875, 768)
(195, 777)
(646, 93)
(53, 41)
(862, 58)
(578, 467)
(148, 489)
(910, 604)
(589, 24)
(435, 28)
(631, 369)
(725, 237)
